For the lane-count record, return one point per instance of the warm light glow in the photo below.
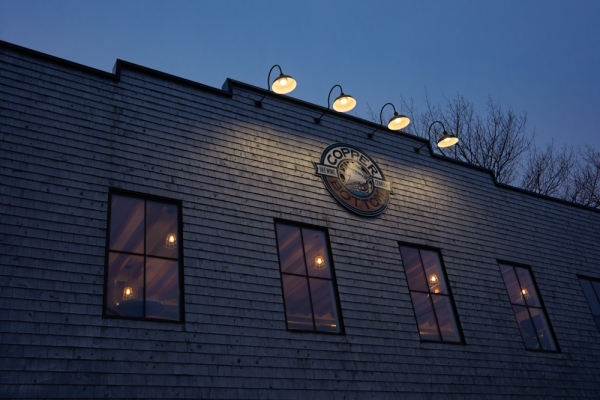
(398, 122)
(447, 140)
(344, 103)
(319, 262)
(433, 282)
(171, 241)
(525, 293)
(284, 84)
(128, 293)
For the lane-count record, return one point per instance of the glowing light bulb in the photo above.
(128, 293)
(283, 82)
(433, 282)
(171, 241)
(319, 262)
(344, 100)
(397, 120)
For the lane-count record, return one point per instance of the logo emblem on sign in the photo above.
(354, 179)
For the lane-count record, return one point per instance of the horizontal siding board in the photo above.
(69, 134)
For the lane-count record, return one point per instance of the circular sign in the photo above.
(354, 179)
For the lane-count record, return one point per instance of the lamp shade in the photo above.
(398, 121)
(344, 103)
(283, 84)
(447, 140)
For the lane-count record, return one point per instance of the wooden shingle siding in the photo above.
(69, 133)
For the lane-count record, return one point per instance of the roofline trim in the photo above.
(117, 68)
(227, 91)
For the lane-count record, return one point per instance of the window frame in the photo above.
(145, 197)
(448, 286)
(542, 305)
(338, 304)
(591, 279)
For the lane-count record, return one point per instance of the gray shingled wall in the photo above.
(69, 134)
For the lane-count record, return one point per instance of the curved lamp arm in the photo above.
(381, 119)
(258, 103)
(447, 139)
(433, 123)
(318, 120)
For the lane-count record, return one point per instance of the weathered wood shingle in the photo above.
(70, 133)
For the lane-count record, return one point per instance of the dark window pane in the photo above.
(127, 224)
(425, 316)
(527, 329)
(125, 291)
(543, 330)
(445, 318)
(297, 303)
(315, 248)
(591, 296)
(512, 284)
(291, 255)
(161, 230)
(414, 269)
(162, 288)
(527, 288)
(597, 318)
(504, 268)
(433, 269)
(596, 285)
(324, 306)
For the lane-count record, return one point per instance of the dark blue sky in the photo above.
(541, 57)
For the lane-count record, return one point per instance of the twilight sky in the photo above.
(539, 57)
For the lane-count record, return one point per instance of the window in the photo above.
(431, 296)
(307, 279)
(529, 310)
(143, 272)
(591, 289)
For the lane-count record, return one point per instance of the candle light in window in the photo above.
(171, 241)
(525, 293)
(128, 293)
(319, 262)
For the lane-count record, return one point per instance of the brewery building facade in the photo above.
(161, 238)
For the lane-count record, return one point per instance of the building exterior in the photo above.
(160, 238)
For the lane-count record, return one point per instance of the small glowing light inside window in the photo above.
(433, 282)
(128, 293)
(283, 82)
(343, 100)
(525, 293)
(171, 241)
(319, 262)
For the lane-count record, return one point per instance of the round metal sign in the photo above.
(354, 179)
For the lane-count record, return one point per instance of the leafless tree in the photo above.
(496, 140)
(584, 184)
(549, 171)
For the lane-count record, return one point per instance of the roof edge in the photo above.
(227, 91)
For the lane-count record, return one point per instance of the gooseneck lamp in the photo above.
(447, 139)
(282, 85)
(397, 122)
(343, 103)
